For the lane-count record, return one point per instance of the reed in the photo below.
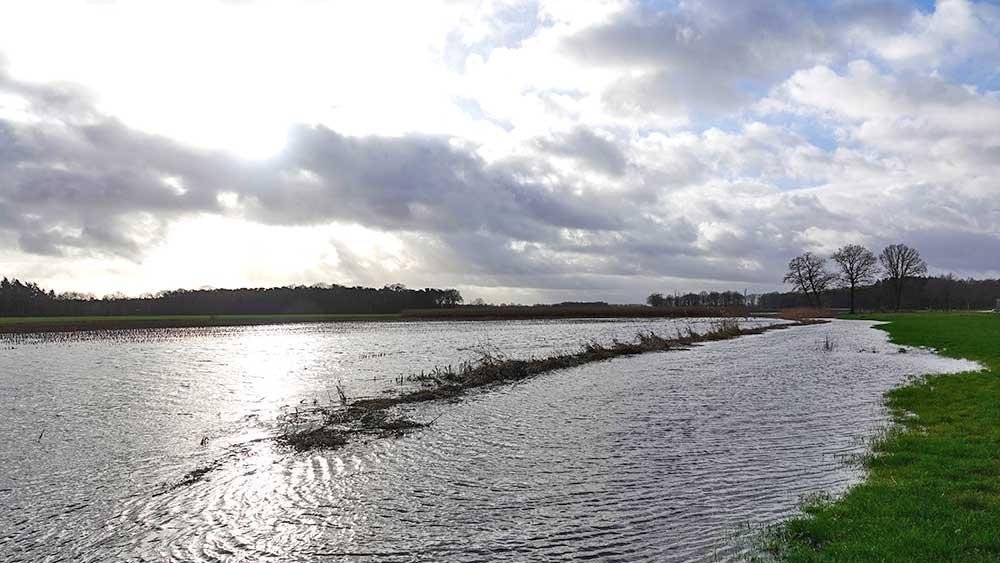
(371, 415)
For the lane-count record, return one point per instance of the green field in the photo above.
(32, 324)
(933, 488)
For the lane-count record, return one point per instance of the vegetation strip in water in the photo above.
(933, 486)
(368, 416)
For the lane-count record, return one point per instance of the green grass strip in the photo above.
(933, 486)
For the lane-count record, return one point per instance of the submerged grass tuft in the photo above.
(315, 438)
(829, 345)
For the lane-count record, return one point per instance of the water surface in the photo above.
(661, 456)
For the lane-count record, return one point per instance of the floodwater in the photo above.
(663, 456)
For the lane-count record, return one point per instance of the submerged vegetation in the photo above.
(337, 424)
(28, 325)
(933, 486)
(25, 325)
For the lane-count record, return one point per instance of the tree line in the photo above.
(854, 278)
(28, 299)
(943, 293)
(702, 299)
(855, 266)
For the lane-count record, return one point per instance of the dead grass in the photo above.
(374, 416)
(320, 438)
(805, 313)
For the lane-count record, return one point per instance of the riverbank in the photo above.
(933, 485)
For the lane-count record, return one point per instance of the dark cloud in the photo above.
(588, 148)
(714, 55)
(414, 184)
(71, 179)
(87, 182)
(954, 250)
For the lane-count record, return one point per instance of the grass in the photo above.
(366, 416)
(933, 486)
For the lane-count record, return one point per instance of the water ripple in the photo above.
(657, 457)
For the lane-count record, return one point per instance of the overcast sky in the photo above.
(518, 150)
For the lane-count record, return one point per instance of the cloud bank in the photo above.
(582, 155)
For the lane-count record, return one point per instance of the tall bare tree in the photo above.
(857, 266)
(900, 262)
(808, 274)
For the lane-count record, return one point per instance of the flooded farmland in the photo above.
(664, 456)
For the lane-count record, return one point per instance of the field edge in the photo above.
(932, 490)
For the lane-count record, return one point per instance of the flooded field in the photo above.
(661, 456)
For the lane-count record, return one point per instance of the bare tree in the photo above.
(901, 262)
(808, 274)
(857, 265)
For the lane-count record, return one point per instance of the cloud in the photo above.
(77, 180)
(588, 148)
(713, 56)
(956, 32)
(787, 129)
(414, 183)
(73, 180)
(920, 130)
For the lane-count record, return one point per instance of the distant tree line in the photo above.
(853, 278)
(894, 279)
(855, 266)
(922, 292)
(703, 299)
(27, 299)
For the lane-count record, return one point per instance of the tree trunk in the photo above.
(852, 298)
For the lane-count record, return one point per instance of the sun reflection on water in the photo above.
(272, 364)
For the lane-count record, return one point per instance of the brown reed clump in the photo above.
(371, 416)
(805, 313)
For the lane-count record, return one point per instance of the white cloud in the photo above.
(955, 31)
(537, 150)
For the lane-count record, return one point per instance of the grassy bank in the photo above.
(933, 488)
(69, 324)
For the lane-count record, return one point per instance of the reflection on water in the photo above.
(656, 457)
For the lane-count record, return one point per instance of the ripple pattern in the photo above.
(661, 457)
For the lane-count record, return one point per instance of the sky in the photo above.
(518, 150)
